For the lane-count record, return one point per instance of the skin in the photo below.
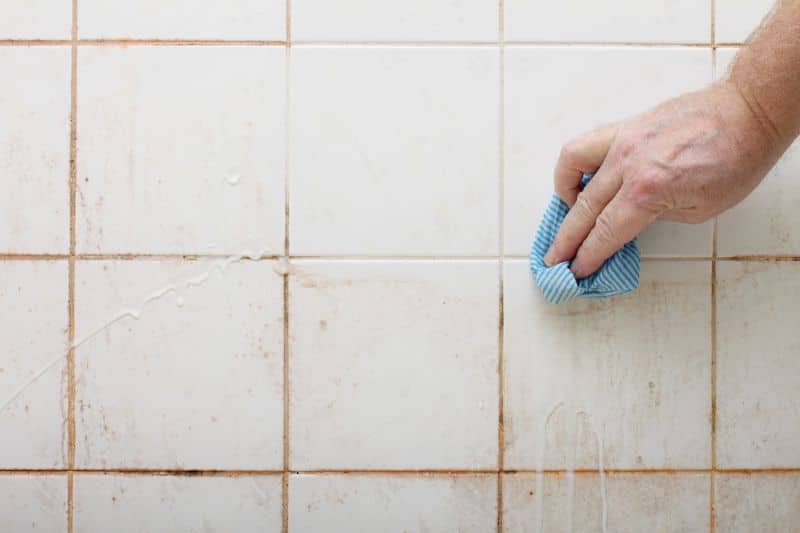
(687, 159)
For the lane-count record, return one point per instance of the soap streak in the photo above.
(221, 265)
(540, 466)
(600, 438)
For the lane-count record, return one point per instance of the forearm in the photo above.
(766, 72)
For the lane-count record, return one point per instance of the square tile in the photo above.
(132, 504)
(196, 381)
(757, 365)
(620, 21)
(627, 377)
(736, 19)
(766, 222)
(393, 364)
(554, 94)
(395, 20)
(34, 149)
(183, 19)
(633, 503)
(181, 149)
(359, 503)
(33, 503)
(35, 19)
(767, 503)
(398, 155)
(33, 296)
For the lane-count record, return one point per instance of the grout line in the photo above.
(390, 472)
(712, 511)
(73, 152)
(500, 251)
(388, 43)
(286, 338)
(273, 257)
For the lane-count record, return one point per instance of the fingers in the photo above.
(582, 216)
(618, 224)
(580, 156)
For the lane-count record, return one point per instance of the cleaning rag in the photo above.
(618, 275)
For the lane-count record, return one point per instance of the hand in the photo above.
(687, 160)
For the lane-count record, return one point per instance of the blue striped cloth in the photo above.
(618, 275)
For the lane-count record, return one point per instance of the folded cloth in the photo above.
(618, 275)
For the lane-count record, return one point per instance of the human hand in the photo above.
(686, 160)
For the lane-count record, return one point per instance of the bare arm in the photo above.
(687, 159)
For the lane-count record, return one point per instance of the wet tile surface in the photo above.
(627, 377)
(196, 381)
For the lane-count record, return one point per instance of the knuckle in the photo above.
(584, 207)
(649, 190)
(572, 149)
(605, 230)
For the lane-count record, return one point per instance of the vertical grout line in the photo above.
(500, 252)
(73, 151)
(287, 152)
(712, 477)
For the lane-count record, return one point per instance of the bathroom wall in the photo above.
(263, 268)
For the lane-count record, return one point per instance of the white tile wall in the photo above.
(630, 373)
(766, 502)
(765, 222)
(34, 150)
(652, 21)
(33, 332)
(393, 503)
(35, 19)
(392, 165)
(398, 155)
(33, 503)
(395, 20)
(183, 19)
(371, 344)
(555, 93)
(195, 382)
(736, 19)
(132, 504)
(196, 160)
(758, 367)
(659, 503)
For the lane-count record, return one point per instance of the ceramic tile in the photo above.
(658, 503)
(768, 503)
(398, 155)
(180, 149)
(132, 504)
(183, 19)
(620, 21)
(35, 19)
(628, 377)
(196, 381)
(393, 364)
(555, 94)
(757, 365)
(737, 18)
(34, 149)
(33, 503)
(34, 296)
(395, 20)
(392, 503)
(765, 222)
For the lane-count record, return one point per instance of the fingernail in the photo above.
(577, 271)
(550, 258)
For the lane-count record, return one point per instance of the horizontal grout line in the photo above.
(365, 43)
(390, 472)
(273, 257)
